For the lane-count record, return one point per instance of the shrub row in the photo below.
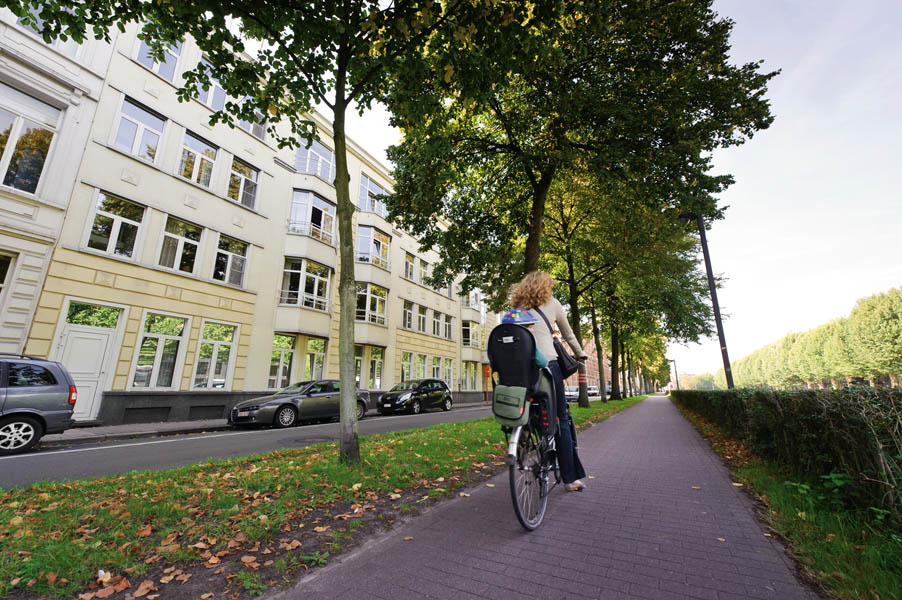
(855, 431)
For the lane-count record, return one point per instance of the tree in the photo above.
(638, 92)
(340, 53)
(875, 328)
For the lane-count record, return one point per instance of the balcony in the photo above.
(313, 230)
(473, 354)
(298, 298)
(366, 316)
(372, 268)
(372, 259)
(301, 319)
(371, 329)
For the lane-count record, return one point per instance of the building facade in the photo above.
(197, 265)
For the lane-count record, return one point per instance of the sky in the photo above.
(816, 212)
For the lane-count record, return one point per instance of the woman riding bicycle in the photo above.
(534, 293)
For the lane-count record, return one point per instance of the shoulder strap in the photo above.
(544, 318)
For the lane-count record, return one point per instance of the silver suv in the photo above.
(37, 396)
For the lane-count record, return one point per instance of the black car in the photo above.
(316, 400)
(414, 396)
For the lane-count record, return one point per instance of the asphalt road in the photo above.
(96, 460)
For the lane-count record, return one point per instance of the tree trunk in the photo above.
(630, 373)
(349, 447)
(615, 365)
(894, 379)
(537, 222)
(573, 299)
(599, 354)
(623, 369)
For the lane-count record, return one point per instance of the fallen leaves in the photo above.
(144, 588)
(144, 531)
(409, 538)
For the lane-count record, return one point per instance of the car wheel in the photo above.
(447, 405)
(416, 408)
(361, 410)
(286, 416)
(18, 434)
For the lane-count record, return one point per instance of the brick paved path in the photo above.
(639, 530)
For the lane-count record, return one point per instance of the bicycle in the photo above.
(523, 403)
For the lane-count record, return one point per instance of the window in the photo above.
(198, 158)
(407, 316)
(313, 216)
(472, 370)
(371, 303)
(469, 334)
(369, 190)
(436, 367)
(316, 160)
(280, 362)
(116, 225)
(450, 291)
(449, 330)
(26, 130)
(243, 183)
(165, 69)
(68, 47)
(422, 312)
(449, 371)
(6, 263)
(472, 299)
(436, 323)
(358, 364)
(409, 261)
(372, 246)
(92, 315)
(158, 351)
(376, 361)
(214, 96)
(257, 127)
(315, 278)
(421, 366)
(406, 366)
(139, 130)
(230, 261)
(214, 356)
(424, 272)
(180, 241)
(316, 359)
(27, 375)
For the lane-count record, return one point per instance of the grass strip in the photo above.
(55, 536)
(852, 554)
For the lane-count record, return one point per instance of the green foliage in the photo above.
(851, 439)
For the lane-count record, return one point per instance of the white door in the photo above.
(84, 354)
(86, 338)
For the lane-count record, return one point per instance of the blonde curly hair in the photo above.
(532, 291)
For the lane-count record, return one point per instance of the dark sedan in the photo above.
(415, 396)
(316, 400)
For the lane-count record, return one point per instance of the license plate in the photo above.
(244, 413)
(386, 405)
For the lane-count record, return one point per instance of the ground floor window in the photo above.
(316, 359)
(161, 339)
(280, 361)
(214, 356)
(406, 366)
(377, 356)
(421, 366)
(449, 371)
(6, 262)
(436, 367)
(358, 364)
(469, 377)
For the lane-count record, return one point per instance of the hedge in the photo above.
(855, 431)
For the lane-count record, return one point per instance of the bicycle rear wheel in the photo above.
(529, 481)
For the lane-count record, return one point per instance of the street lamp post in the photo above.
(685, 218)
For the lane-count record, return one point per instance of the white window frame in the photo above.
(117, 226)
(367, 203)
(198, 160)
(314, 373)
(378, 317)
(449, 327)
(139, 133)
(284, 368)
(256, 128)
(407, 314)
(300, 218)
(230, 366)
(436, 323)
(69, 48)
(422, 272)
(422, 318)
(207, 97)
(179, 357)
(243, 182)
(449, 371)
(421, 366)
(371, 249)
(175, 52)
(4, 284)
(377, 368)
(436, 367)
(410, 268)
(406, 363)
(231, 260)
(302, 298)
(23, 113)
(181, 245)
(306, 164)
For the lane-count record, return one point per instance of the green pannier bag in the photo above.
(510, 405)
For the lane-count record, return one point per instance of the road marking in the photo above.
(192, 437)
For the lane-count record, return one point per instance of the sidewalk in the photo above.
(639, 531)
(103, 433)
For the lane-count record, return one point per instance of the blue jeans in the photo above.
(567, 458)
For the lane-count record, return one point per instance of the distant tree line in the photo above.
(865, 347)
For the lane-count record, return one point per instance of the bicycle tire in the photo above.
(529, 481)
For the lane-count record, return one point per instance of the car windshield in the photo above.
(405, 385)
(294, 387)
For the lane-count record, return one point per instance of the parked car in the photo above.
(571, 393)
(37, 397)
(414, 396)
(593, 391)
(315, 400)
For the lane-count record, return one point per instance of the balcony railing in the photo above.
(299, 298)
(471, 343)
(314, 231)
(373, 259)
(371, 317)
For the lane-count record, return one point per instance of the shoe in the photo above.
(576, 486)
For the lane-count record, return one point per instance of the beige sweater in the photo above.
(554, 312)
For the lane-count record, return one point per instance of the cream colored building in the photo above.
(197, 265)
